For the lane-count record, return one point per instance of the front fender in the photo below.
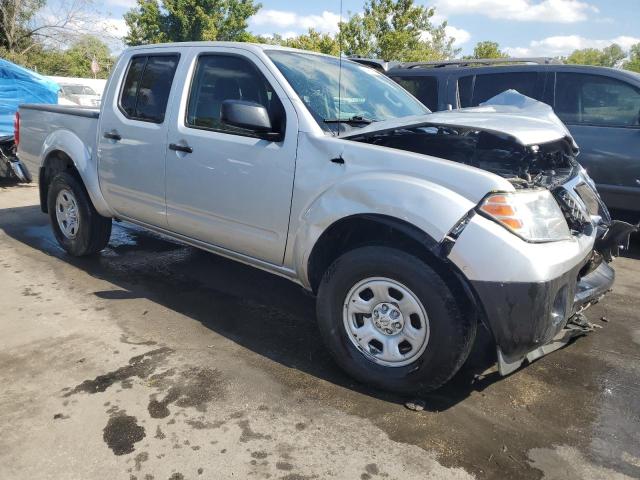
(429, 207)
(70, 144)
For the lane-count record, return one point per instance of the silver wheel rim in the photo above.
(386, 322)
(67, 214)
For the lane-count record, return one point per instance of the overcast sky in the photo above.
(521, 27)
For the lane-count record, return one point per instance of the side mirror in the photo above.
(250, 116)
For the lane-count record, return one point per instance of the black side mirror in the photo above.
(250, 116)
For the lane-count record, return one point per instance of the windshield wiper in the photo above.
(355, 120)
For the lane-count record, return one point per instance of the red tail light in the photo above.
(16, 129)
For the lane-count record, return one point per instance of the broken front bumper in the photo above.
(530, 320)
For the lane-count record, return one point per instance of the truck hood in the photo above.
(523, 119)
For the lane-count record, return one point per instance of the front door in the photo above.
(603, 115)
(231, 189)
(132, 139)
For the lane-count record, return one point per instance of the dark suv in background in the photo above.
(600, 106)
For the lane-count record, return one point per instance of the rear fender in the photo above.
(81, 155)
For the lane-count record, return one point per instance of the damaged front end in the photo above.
(533, 151)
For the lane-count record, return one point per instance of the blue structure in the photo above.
(19, 85)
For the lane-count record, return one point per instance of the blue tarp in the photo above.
(19, 85)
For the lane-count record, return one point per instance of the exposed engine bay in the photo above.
(551, 165)
(546, 165)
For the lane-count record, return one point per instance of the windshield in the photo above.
(365, 94)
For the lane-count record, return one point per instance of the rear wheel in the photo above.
(391, 321)
(76, 224)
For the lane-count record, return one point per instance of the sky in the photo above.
(521, 27)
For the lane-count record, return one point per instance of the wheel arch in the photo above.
(55, 162)
(63, 150)
(361, 230)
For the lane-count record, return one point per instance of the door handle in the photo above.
(180, 148)
(113, 135)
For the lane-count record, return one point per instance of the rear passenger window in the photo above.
(225, 77)
(424, 89)
(488, 86)
(146, 88)
(596, 100)
(130, 87)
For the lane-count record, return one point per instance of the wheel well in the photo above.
(372, 229)
(56, 162)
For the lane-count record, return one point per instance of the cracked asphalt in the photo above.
(155, 360)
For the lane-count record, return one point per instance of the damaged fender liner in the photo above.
(529, 320)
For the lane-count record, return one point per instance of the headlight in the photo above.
(533, 215)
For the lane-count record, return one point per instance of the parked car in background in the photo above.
(600, 106)
(413, 228)
(82, 95)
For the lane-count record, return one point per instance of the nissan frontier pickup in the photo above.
(413, 229)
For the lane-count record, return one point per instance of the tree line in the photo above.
(386, 29)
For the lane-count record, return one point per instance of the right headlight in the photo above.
(533, 215)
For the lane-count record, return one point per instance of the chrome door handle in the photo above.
(113, 135)
(180, 148)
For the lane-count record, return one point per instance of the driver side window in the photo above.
(226, 77)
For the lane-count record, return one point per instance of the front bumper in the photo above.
(531, 319)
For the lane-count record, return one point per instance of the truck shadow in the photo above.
(264, 313)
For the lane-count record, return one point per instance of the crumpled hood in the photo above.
(524, 119)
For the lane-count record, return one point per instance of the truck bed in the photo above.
(42, 126)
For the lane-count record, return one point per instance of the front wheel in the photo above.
(76, 224)
(391, 321)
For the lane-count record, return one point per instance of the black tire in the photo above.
(94, 230)
(452, 331)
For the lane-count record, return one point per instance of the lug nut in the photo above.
(384, 309)
(394, 314)
(397, 325)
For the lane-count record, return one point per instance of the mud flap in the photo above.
(562, 339)
(576, 327)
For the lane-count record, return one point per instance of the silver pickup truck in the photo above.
(413, 228)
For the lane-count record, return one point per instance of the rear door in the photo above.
(603, 115)
(232, 189)
(132, 139)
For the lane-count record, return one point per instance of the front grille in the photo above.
(576, 216)
(588, 197)
(592, 201)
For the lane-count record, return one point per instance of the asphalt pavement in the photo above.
(155, 360)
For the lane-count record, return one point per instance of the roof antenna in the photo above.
(340, 68)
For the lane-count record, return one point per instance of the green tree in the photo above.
(312, 40)
(16, 23)
(633, 63)
(607, 57)
(316, 42)
(487, 49)
(74, 61)
(83, 52)
(187, 20)
(396, 30)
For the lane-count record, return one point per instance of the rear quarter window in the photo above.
(424, 89)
